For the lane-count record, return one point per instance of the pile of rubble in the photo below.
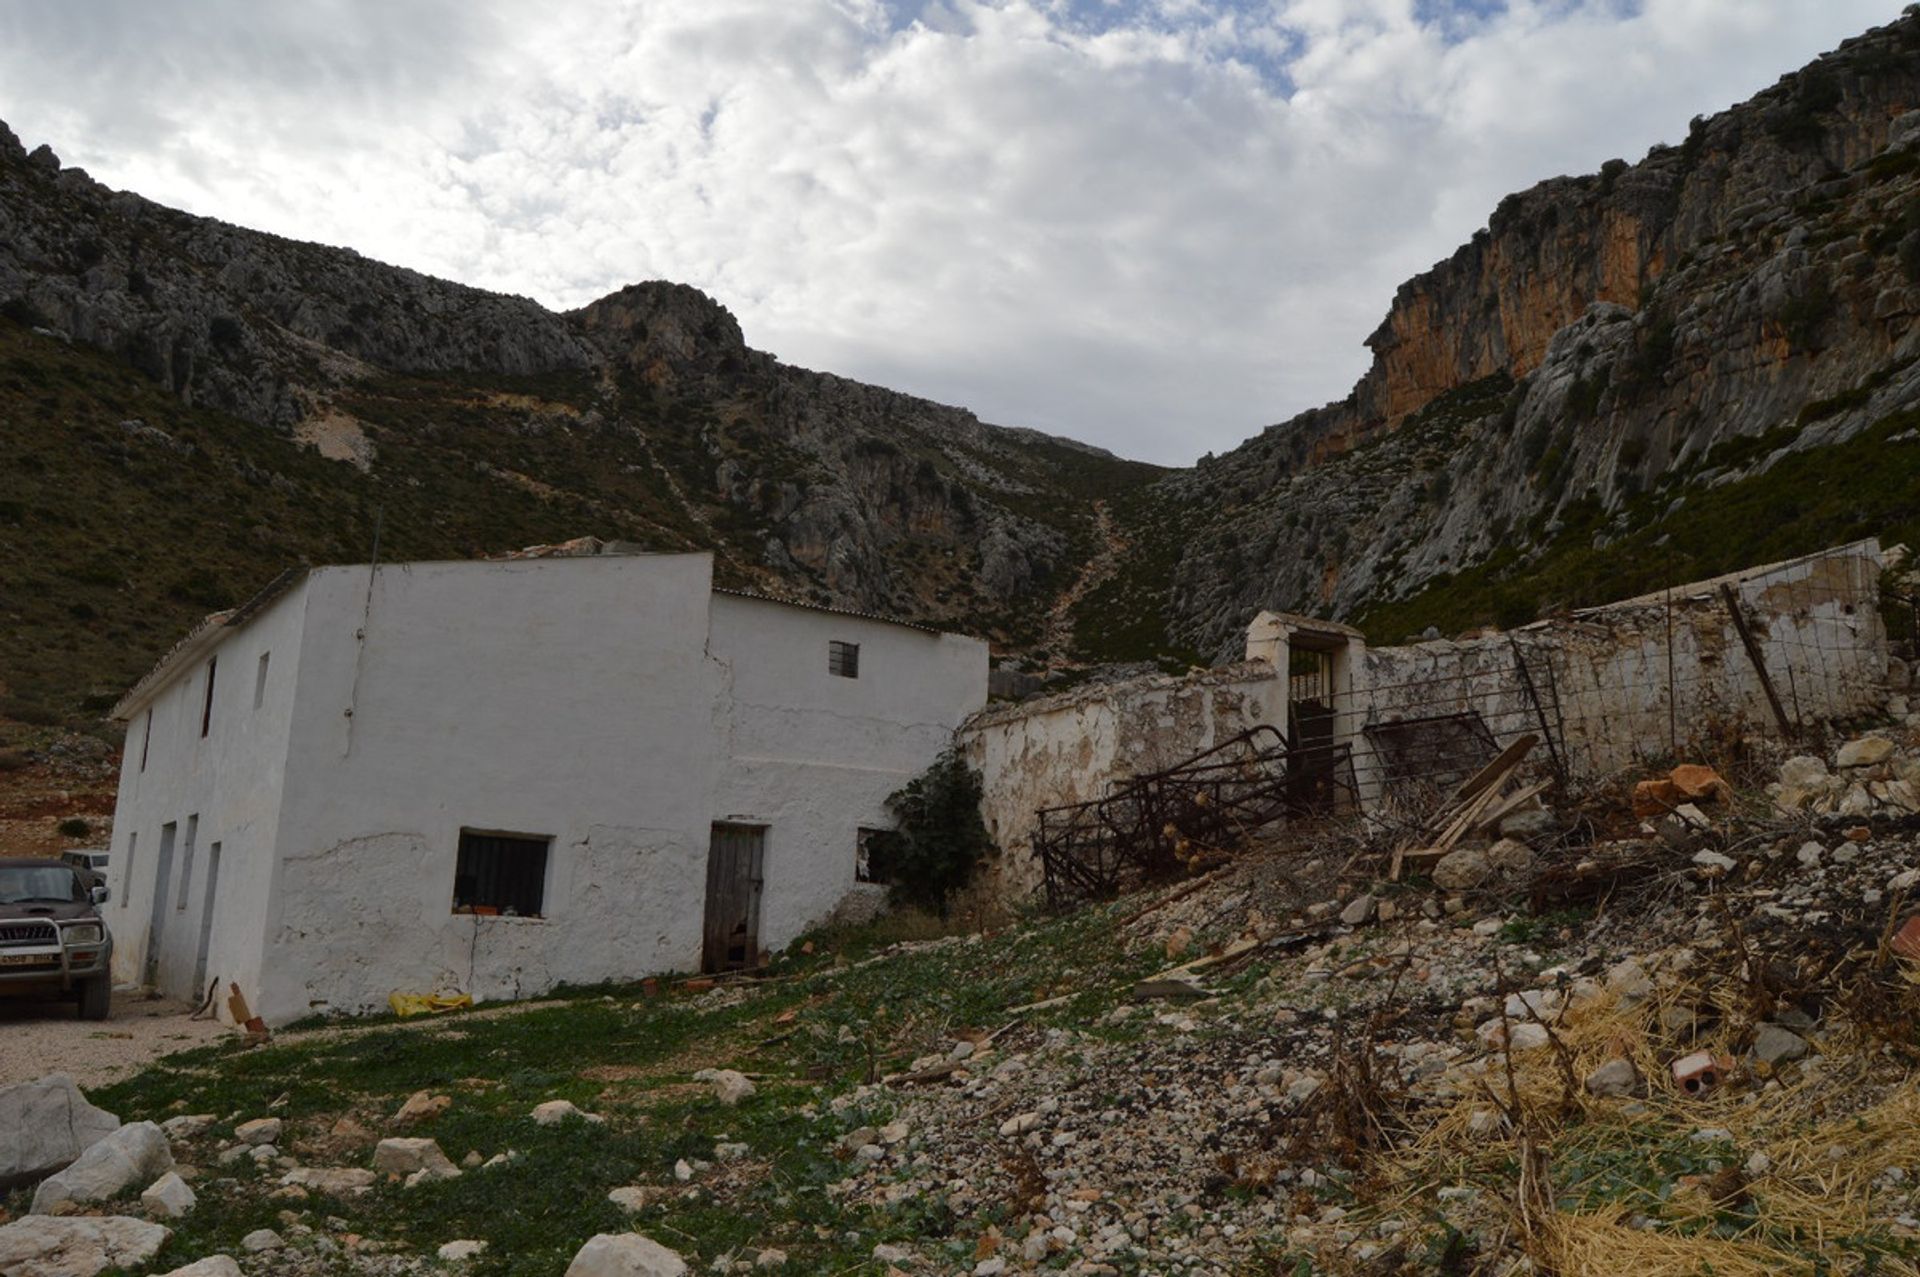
(1870, 774)
(1166, 1132)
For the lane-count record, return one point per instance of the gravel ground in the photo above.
(37, 1038)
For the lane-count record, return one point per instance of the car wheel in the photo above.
(96, 998)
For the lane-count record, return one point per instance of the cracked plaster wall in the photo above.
(231, 780)
(1069, 748)
(613, 705)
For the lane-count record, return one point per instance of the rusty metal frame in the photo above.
(1143, 828)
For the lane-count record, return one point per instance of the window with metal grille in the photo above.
(843, 659)
(499, 874)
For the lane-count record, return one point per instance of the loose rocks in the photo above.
(48, 1123)
(77, 1245)
(625, 1255)
(135, 1154)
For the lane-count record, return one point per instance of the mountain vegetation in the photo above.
(1650, 374)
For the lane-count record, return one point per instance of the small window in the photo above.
(260, 681)
(843, 659)
(146, 739)
(206, 708)
(873, 856)
(501, 875)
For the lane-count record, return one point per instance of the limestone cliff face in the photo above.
(809, 485)
(1613, 327)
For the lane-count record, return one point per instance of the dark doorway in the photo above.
(736, 858)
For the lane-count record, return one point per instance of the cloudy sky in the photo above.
(1156, 225)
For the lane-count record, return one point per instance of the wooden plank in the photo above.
(1747, 641)
(1511, 803)
(1503, 762)
(1471, 797)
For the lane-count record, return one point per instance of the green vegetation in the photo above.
(1806, 501)
(128, 515)
(823, 1024)
(938, 838)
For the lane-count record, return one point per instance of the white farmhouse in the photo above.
(496, 777)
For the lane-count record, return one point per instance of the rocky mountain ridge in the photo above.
(643, 415)
(1595, 342)
(1654, 373)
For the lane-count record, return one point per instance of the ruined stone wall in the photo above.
(1641, 678)
(1615, 685)
(1070, 747)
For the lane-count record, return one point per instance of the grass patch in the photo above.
(844, 1006)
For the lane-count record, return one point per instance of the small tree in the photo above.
(940, 836)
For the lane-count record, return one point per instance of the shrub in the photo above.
(74, 827)
(940, 837)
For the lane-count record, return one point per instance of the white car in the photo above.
(91, 860)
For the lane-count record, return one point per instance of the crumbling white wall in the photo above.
(230, 780)
(1071, 747)
(1609, 691)
(814, 756)
(1602, 676)
(567, 699)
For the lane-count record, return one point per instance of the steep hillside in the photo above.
(187, 406)
(1650, 374)
(1612, 351)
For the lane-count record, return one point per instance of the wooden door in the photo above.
(736, 856)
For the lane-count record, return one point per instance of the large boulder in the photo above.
(625, 1255)
(44, 1125)
(134, 1154)
(77, 1245)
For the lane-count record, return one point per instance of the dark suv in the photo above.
(53, 941)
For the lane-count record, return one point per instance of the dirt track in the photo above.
(37, 1038)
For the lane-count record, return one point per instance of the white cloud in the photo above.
(1155, 225)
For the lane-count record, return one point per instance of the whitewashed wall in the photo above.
(814, 756)
(612, 704)
(1069, 748)
(569, 699)
(1609, 690)
(231, 780)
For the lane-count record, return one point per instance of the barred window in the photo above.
(843, 659)
(500, 874)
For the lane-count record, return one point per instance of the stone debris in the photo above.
(211, 1266)
(335, 1181)
(625, 1255)
(1774, 1045)
(1616, 1078)
(419, 1161)
(261, 1240)
(728, 1086)
(168, 1197)
(554, 1112)
(134, 1154)
(260, 1131)
(188, 1126)
(420, 1107)
(455, 1252)
(77, 1245)
(48, 1123)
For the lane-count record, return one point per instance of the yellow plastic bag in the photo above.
(406, 1004)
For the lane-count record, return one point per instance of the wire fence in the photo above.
(1787, 651)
